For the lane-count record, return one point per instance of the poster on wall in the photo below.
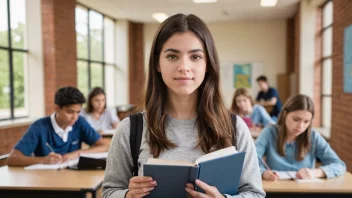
(347, 56)
(242, 77)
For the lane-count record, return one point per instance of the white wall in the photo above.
(259, 41)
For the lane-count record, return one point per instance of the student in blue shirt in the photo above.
(255, 116)
(57, 138)
(268, 96)
(293, 145)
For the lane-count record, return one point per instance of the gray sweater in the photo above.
(184, 134)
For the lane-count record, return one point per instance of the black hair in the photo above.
(262, 78)
(68, 96)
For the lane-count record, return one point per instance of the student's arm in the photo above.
(17, 158)
(265, 118)
(332, 165)
(261, 144)
(250, 182)
(119, 163)
(21, 154)
(273, 99)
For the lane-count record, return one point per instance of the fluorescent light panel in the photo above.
(204, 1)
(268, 3)
(159, 16)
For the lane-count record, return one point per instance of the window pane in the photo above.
(327, 77)
(19, 84)
(327, 42)
(96, 75)
(109, 41)
(82, 32)
(326, 112)
(328, 14)
(3, 23)
(110, 85)
(18, 23)
(82, 77)
(96, 35)
(4, 85)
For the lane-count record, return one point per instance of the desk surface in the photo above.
(342, 184)
(13, 178)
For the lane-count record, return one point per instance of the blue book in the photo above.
(222, 169)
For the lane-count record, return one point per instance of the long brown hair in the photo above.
(94, 92)
(240, 92)
(214, 122)
(295, 103)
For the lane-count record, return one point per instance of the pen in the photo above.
(266, 166)
(51, 149)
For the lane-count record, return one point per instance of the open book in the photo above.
(288, 175)
(222, 169)
(85, 161)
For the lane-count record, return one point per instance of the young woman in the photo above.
(96, 113)
(293, 145)
(185, 115)
(255, 116)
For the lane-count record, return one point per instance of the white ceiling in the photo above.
(223, 10)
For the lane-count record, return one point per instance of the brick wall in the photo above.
(10, 136)
(136, 61)
(341, 133)
(59, 46)
(318, 69)
(296, 50)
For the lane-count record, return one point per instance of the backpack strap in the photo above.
(234, 122)
(136, 139)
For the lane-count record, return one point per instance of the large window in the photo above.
(326, 74)
(13, 58)
(96, 66)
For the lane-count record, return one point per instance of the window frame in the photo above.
(88, 60)
(10, 50)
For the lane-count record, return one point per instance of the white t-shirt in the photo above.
(104, 122)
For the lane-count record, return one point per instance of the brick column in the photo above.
(59, 46)
(341, 134)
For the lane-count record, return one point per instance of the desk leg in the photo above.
(94, 194)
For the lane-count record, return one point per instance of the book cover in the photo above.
(221, 168)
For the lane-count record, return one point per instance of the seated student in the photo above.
(293, 145)
(96, 113)
(255, 116)
(57, 138)
(268, 97)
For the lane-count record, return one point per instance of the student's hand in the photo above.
(305, 173)
(101, 131)
(52, 158)
(140, 186)
(70, 156)
(270, 175)
(210, 191)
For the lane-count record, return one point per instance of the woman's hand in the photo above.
(270, 175)
(210, 191)
(305, 173)
(140, 186)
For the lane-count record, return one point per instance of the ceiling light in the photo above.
(159, 16)
(268, 3)
(204, 1)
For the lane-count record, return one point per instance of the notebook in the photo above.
(288, 175)
(222, 168)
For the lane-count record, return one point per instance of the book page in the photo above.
(217, 154)
(154, 161)
(286, 175)
(109, 132)
(315, 180)
(70, 163)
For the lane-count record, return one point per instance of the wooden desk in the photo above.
(17, 182)
(332, 188)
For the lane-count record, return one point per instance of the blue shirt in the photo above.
(42, 132)
(266, 145)
(271, 93)
(260, 116)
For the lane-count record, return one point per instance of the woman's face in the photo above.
(243, 103)
(182, 63)
(98, 102)
(298, 121)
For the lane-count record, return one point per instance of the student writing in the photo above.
(293, 145)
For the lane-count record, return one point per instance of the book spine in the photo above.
(194, 174)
